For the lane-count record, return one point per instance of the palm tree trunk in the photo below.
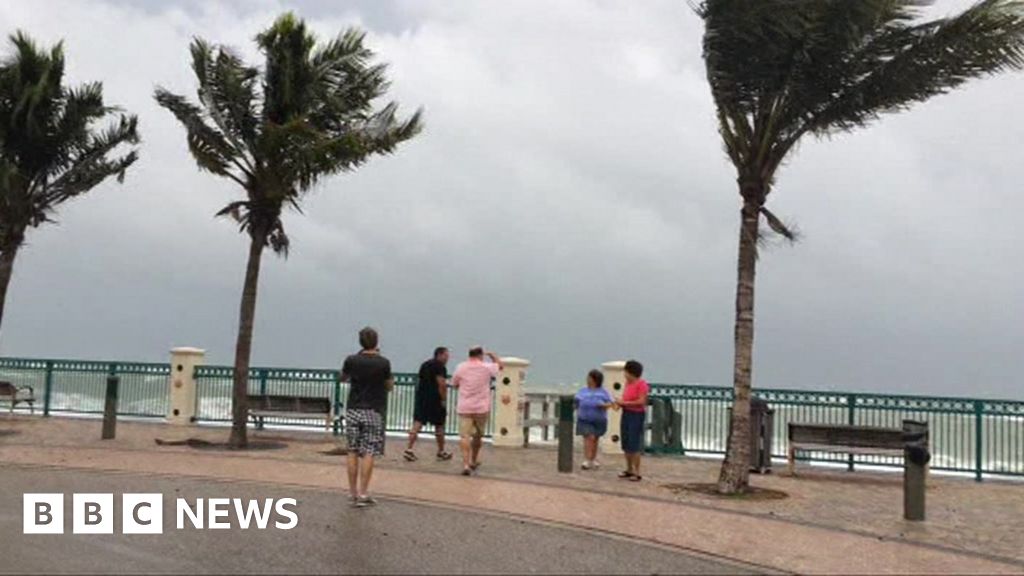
(735, 472)
(7, 257)
(243, 346)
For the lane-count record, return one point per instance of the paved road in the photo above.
(394, 537)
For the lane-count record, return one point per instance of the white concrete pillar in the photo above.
(615, 383)
(509, 399)
(181, 409)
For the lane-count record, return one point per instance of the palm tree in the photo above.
(276, 132)
(50, 148)
(783, 69)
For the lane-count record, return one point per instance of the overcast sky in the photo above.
(568, 202)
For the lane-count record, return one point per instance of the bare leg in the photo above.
(466, 452)
(414, 434)
(353, 473)
(477, 443)
(365, 473)
(629, 463)
(439, 435)
(636, 463)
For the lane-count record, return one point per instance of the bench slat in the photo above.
(864, 450)
(844, 435)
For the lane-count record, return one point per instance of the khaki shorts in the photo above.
(472, 425)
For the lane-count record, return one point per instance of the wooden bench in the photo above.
(18, 395)
(295, 407)
(869, 440)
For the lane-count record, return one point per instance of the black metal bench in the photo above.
(867, 440)
(293, 407)
(18, 395)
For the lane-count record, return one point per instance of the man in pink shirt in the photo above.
(472, 379)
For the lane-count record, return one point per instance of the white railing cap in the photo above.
(513, 361)
(187, 351)
(614, 365)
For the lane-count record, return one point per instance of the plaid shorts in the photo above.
(364, 430)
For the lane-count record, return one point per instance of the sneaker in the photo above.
(595, 464)
(365, 502)
(409, 456)
(444, 456)
(586, 465)
(467, 472)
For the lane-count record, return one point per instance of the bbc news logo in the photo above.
(144, 513)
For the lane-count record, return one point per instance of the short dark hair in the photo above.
(476, 351)
(368, 338)
(635, 368)
(596, 376)
(440, 350)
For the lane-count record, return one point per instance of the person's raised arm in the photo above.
(494, 358)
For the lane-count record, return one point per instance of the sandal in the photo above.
(467, 472)
(444, 456)
(626, 474)
(409, 456)
(474, 466)
(636, 478)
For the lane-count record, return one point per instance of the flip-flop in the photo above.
(626, 474)
(409, 456)
(474, 466)
(443, 456)
(635, 478)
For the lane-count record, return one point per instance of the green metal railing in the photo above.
(214, 385)
(967, 435)
(78, 386)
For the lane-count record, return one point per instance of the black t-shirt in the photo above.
(367, 375)
(429, 371)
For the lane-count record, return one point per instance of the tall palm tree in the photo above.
(51, 149)
(276, 132)
(780, 70)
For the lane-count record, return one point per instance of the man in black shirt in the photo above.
(369, 377)
(429, 406)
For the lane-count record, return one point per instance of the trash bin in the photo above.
(762, 426)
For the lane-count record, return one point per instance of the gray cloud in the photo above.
(568, 202)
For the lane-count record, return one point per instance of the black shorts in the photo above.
(429, 411)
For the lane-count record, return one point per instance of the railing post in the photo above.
(615, 381)
(508, 409)
(565, 413)
(263, 392)
(183, 393)
(48, 388)
(851, 419)
(337, 403)
(979, 412)
(110, 405)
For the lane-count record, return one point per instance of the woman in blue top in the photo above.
(592, 402)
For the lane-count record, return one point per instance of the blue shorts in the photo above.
(632, 432)
(591, 427)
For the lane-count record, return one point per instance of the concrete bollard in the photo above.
(566, 407)
(181, 409)
(110, 409)
(915, 469)
(615, 382)
(509, 399)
